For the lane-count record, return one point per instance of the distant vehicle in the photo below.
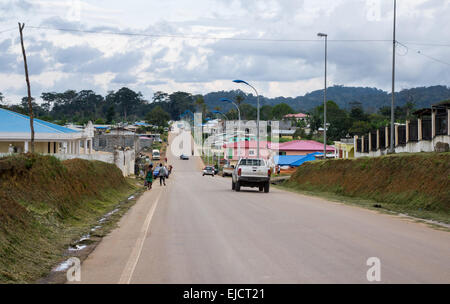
(251, 172)
(182, 156)
(166, 129)
(208, 170)
(228, 170)
(156, 155)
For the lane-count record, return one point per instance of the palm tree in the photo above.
(239, 100)
(200, 102)
(201, 105)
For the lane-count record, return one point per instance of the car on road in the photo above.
(156, 155)
(156, 172)
(184, 157)
(227, 170)
(208, 170)
(251, 172)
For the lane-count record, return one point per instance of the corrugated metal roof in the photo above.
(12, 122)
(303, 145)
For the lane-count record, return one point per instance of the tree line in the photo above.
(126, 105)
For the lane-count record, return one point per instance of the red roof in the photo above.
(295, 145)
(298, 115)
(304, 145)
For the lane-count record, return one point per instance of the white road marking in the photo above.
(128, 271)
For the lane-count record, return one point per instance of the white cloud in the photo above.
(102, 62)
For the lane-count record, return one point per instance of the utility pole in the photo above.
(30, 106)
(325, 99)
(394, 42)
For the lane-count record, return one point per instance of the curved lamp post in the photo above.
(218, 112)
(257, 114)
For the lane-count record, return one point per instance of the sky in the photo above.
(200, 46)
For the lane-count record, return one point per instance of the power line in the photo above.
(8, 30)
(432, 58)
(420, 53)
(199, 37)
(428, 44)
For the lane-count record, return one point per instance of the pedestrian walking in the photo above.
(162, 175)
(149, 177)
(166, 167)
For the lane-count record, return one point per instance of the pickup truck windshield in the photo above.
(251, 162)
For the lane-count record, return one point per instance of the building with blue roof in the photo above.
(295, 160)
(15, 135)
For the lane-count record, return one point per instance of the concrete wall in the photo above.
(107, 142)
(124, 160)
(145, 143)
(410, 147)
(107, 158)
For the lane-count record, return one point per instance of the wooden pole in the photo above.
(30, 106)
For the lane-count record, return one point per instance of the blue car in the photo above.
(156, 172)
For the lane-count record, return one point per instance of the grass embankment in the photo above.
(415, 184)
(46, 204)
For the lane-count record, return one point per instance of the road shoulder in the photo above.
(109, 262)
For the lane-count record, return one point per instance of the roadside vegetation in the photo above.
(414, 184)
(46, 204)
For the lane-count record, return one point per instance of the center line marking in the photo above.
(128, 271)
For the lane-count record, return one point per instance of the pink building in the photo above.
(302, 147)
(266, 149)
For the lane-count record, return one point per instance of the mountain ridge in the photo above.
(371, 99)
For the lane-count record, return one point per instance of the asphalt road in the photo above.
(196, 230)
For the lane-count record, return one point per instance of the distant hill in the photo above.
(371, 98)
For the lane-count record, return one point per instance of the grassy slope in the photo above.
(416, 184)
(45, 204)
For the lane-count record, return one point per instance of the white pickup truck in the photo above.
(251, 172)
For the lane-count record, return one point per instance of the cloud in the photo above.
(118, 63)
(74, 57)
(124, 79)
(102, 61)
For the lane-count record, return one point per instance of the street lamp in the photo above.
(218, 112)
(226, 118)
(239, 124)
(325, 99)
(257, 114)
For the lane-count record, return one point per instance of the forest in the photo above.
(350, 110)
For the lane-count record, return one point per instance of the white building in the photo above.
(15, 136)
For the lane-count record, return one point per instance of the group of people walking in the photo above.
(162, 171)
